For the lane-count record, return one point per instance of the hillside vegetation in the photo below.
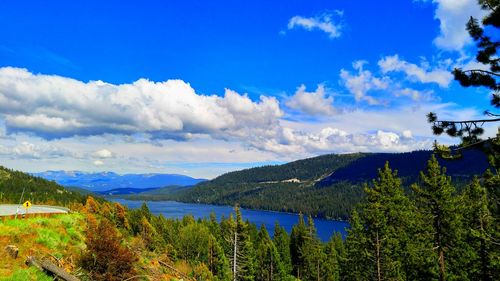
(325, 186)
(36, 189)
(391, 235)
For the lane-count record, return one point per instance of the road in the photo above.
(10, 210)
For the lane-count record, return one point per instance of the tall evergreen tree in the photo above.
(269, 266)
(240, 250)
(331, 264)
(485, 34)
(436, 203)
(356, 263)
(478, 227)
(298, 237)
(380, 243)
(282, 243)
(311, 254)
(217, 262)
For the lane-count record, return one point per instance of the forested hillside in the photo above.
(392, 237)
(36, 189)
(326, 186)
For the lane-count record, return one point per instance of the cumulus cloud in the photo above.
(331, 139)
(28, 150)
(359, 84)
(413, 72)
(103, 153)
(50, 110)
(312, 103)
(452, 16)
(323, 23)
(407, 134)
(52, 106)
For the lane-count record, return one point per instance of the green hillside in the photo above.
(36, 189)
(326, 186)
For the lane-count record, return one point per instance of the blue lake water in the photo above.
(172, 209)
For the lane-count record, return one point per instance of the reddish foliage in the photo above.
(105, 258)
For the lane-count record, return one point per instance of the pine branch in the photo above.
(482, 72)
(465, 122)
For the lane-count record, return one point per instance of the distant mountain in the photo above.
(154, 194)
(327, 186)
(409, 165)
(126, 191)
(106, 181)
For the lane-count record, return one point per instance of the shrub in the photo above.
(105, 258)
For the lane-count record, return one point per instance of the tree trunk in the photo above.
(484, 261)
(377, 245)
(272, 267)
(317, 270)
(439, 242)
(51, 268)
(235, 254)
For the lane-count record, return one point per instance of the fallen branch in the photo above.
(174, 270)
(50, 268)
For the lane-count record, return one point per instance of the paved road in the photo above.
(9, 210)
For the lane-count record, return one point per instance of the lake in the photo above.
(172, 209)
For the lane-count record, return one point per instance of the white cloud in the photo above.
(359, 84)
(312, 103)
(69, 124)
(29, 150)
(415, 95)
(452, 16)
(103, 153)
(323, 22)
(52, 106)
(421, 74)
(330, 139)
(407, 134)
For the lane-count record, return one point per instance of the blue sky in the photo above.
(204, 87)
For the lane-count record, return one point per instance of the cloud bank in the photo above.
(52, 107)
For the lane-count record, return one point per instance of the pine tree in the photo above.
(331, 264)
(356, 264)
(269, 266)
(239, 247)
(311, 254)
(437, 205)
(217, 262)
(478, 227)
(149, 235)
(297, 240)
(485, 34)
(380, 245)
(282, 243)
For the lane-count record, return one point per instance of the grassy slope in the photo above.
(59, 235)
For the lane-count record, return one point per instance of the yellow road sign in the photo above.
(27, 204)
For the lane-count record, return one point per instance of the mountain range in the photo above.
(109, 182)
(325, 186)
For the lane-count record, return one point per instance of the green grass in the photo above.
(59, 235)
(49, 238)
(27, 274)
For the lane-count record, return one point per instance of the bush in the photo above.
(105, 258)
